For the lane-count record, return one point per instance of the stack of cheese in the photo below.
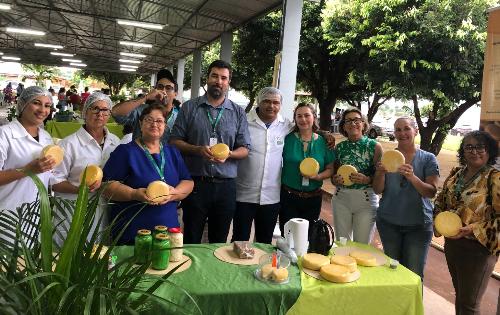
(274, 274)
(339, 268)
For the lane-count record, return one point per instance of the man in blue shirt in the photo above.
(165, 91)
(202, 122)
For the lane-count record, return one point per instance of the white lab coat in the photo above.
(18, 148)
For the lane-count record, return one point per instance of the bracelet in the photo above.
(21, 170)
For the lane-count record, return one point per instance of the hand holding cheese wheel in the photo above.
(448, 223)
(364, 258)
(346, 261)
(392, 160)
(220, 151)
(345, 171)
(158, 191)
(314, 261)
(54, 151)
(94, 174)
(309, 167)
(337, 273)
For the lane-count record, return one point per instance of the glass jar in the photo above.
(176, 240)
(142, 246)
(160, 229)
(161, 252)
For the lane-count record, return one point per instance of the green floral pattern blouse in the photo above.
(358, 154)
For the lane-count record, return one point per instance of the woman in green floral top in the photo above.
(355, 206)
(473, 192)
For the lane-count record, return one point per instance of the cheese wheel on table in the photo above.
(157, 190)
(346, 261)
(94, 174)
(54, 151)
(364, 258)
(345, 171)
(220, 151)
(314, 261)
(392, 160)
(448, 223)
(309, 167)
(336, 273)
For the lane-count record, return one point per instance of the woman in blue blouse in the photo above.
(130, 169)
(404, 218)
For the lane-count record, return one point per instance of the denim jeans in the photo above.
(407, 244)
(264, 216)
(354, 213)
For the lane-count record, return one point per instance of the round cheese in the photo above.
(220, 151)
(309, 167)
(314, 261)
(364, 258)
(336, 273)
(448, 223)
(346, 261)
(266, 270)
(279, 274)
(94, 174)
(345, 171)
(157, 191)
(54, 151)
(392, 160)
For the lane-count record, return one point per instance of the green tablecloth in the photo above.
(223, 288)
(379, 290)
(60, 130)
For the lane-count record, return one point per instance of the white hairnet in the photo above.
(29, 94)
(95, 97)
(268, 91)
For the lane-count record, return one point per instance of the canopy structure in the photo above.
(95, 32)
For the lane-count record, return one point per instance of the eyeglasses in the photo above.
(168, 88)
(480, 148)
(97, 110)
(152, 121)
(356, 121)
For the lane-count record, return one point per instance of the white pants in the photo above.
(354, 214)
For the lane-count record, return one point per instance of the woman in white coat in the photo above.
(21, 142)
(91, 144)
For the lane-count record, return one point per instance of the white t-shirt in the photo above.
(259, 175)
(18, 148)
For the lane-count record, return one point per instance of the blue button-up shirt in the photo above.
(193, 126)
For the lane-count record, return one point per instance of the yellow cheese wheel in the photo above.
(448, 223)
(392, 160)
(336, 273)
(220, 151)
(314, 261)
(54, 151)
(309, 167)
(94, 174)
(157, 191)
(266, 270)
(346, 261)
(364, 258)
(345, 171)
(279, 274)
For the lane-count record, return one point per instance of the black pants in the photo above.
(265, 217)
(470, 265)
(215, 201)
(293, 206)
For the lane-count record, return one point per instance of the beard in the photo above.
(215, 92)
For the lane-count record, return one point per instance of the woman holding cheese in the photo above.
(90, 145)
(133, 166)
(404, 217)
(472, 191)
(301, 190)
(21, 142)
(354, 203)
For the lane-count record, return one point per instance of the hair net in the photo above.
(95, 97)
(28, 95)
(268, 91)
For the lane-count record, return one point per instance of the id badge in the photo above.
(213, 141)
(305, 181)
(279, 141)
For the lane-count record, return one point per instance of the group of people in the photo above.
(260, 180)
(9, 95)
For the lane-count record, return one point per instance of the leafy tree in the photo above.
(41, 73)
(114, 80)
(208, 55)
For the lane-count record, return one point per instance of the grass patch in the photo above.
(451, 143)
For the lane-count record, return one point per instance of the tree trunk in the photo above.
(250, 103)
(326, 108)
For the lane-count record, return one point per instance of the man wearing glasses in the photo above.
(165, 91)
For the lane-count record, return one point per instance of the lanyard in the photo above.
(210, 118)
(170, 117)
(461, 184)
(306, 152)
(160, 170)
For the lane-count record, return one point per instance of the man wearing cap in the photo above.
(202, 123)
(165, 91)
